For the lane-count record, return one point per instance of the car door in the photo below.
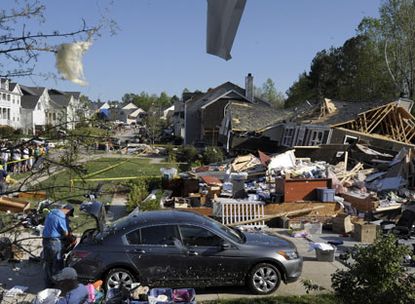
(209, 261)
(154, 253)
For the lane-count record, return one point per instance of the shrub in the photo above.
(6, 132)
(139, 190)
(377, 275)
(186, 154)
(150, 205)
(171, 153)
(212, 155)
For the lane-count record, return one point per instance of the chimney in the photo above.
(249, 87)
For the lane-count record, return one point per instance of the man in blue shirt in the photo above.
(56, 230)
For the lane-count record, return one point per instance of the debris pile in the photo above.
(251, 190)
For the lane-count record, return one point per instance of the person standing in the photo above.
(16, 156)
(3, 183)
(25, 155)
(4, 157)
(55, 234)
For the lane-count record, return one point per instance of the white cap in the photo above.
(68, 273)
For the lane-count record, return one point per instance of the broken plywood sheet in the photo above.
(244, 163)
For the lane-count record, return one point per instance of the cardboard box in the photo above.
(342, 223)
(365, 232)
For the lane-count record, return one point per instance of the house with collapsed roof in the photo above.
(385, 124)
(252, 127)
(203, 113)
(388, 125)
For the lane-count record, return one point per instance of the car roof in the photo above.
(159, 217)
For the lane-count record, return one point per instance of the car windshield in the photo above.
(233, 234)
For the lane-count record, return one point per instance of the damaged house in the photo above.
(203, 113)
(248, 127)
(385, 124)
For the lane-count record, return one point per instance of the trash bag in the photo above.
(47, 296)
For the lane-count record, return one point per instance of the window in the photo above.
(288, 137)
(196, 236)
(155, 235)
(39, 106)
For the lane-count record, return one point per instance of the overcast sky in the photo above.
(161, 43)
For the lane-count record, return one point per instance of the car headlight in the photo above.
(289, 254)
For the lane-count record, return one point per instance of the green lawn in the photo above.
(58, 186)
(307, 299)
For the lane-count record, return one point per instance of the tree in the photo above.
(377, 275)
(300, 91)
(154, 124)
(21, 43)
(212, 155)
(394, 35)
(355, 71)
(270, 93)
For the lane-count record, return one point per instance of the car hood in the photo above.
(267, 239)
(97, 211)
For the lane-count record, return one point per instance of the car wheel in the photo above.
(264, 279)
(119, 277)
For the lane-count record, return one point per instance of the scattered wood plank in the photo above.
(272, 216)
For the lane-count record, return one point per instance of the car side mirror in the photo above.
(226, 246)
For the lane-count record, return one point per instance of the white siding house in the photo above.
(37, 109)
(10, 99)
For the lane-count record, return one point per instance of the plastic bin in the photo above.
(313, 228)
(325, 255)
(325, 195)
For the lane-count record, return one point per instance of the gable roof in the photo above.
(129, 106)
(61, 100)
(211, 95)
(12, 86)
(29, 101)
(27, 91)
(136, 112)
(75, 94)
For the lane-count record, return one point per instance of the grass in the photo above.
(58, 185)
(306, 299)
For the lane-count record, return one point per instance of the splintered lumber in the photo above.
(13, 205)
(32, 195)
(272, 216)
(351, 173)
